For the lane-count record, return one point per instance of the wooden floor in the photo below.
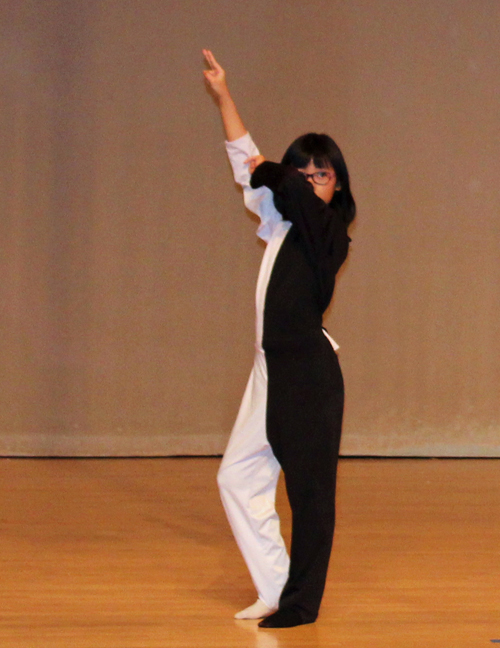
(136, 553)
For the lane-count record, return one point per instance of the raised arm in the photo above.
(243, 154)
(216, 80)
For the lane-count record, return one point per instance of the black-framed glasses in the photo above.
(318, 177)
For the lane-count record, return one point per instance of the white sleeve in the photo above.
(259, 201)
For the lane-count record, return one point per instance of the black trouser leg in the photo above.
(304, 431)
(311, 493)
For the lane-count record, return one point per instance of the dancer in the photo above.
(291, 413)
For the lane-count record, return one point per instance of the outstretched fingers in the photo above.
(215, 76)
(211, 60)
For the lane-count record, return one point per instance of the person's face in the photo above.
(323, 175)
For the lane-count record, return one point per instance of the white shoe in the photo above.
(258, 610)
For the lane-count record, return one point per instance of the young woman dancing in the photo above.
(291, 414)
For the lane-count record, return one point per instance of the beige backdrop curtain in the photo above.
(128, 262)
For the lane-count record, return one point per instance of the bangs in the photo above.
(322, 162)
(310, 147)
(300, 160)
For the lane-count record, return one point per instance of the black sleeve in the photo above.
(321, 228)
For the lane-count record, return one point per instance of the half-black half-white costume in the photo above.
(291, 413)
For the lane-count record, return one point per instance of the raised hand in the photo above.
(216, 76)
(216, 80)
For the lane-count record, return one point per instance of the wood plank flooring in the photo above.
(136, 553)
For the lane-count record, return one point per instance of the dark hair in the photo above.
(324, 152)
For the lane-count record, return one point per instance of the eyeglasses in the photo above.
(318, 177)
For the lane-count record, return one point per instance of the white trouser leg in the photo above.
(247, 481)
